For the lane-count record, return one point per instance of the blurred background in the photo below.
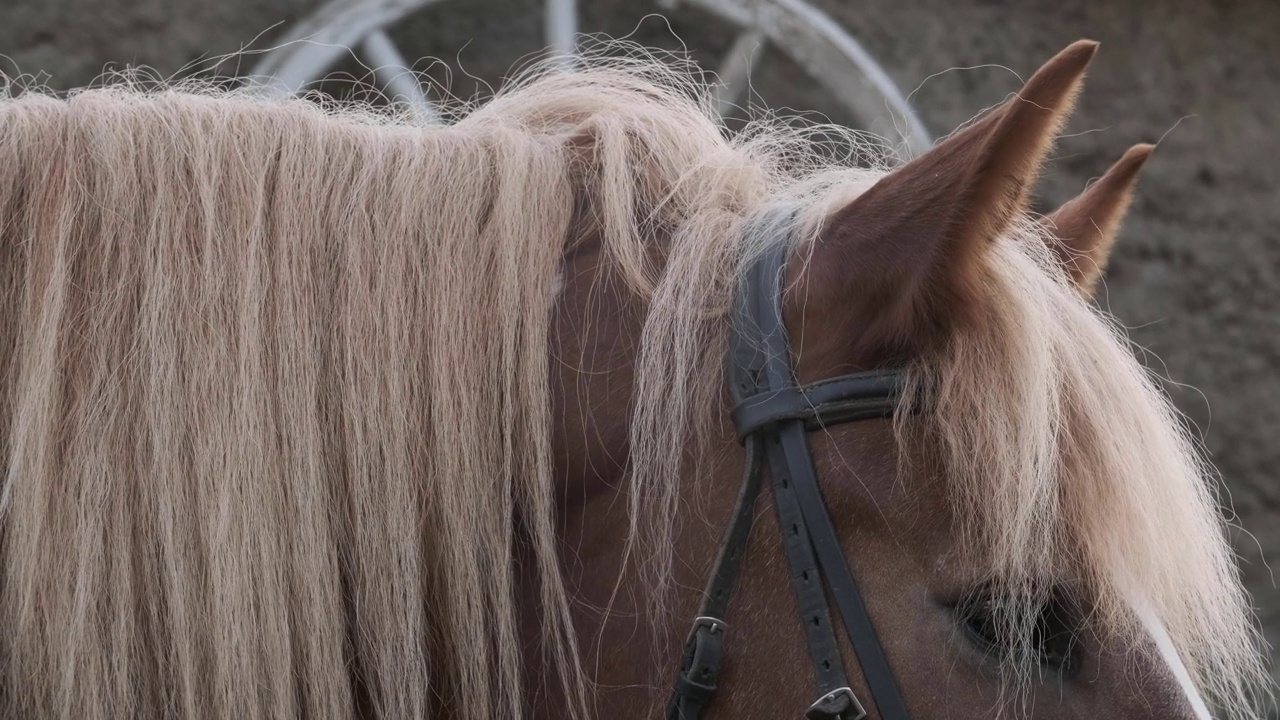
(1196, 276)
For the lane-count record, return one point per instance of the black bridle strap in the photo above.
(773, 415)
(861, 632)
(864, 396)
(757, 358)
(774, 374)
(811, 599)
(704, 648)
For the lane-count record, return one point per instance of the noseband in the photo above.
(773, 415)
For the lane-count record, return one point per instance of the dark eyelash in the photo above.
(1055, 637)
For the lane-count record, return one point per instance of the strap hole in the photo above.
(795, 529)
(786, 482)
(805, 574)
(826, 664)
(817, 621)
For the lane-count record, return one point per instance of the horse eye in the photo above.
(1054, 639)
(980, 625)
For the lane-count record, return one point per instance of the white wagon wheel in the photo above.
(815, 42)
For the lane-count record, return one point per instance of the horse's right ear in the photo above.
(903, 257)
(1083, 231)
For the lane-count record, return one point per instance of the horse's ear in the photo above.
(1083, 230)
(907, 248)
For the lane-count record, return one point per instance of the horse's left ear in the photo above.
(902, 258)
(1083, 231)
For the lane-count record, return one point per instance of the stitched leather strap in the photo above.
(844, 588)
(758, 414)
(806, 580)
(862, 396)
(772, 416)
(788, 451)
(704, 648)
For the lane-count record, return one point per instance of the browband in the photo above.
(862, 396)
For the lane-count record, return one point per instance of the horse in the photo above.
(313, 411)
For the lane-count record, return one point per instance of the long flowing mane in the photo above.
(276, 406)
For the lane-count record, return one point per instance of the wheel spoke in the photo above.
(827, 53)
(826, 36)
(824, 51)
(562, 29)
(319, 41)
(390, 69)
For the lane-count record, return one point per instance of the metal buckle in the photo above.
(710, 623)
(839, 704)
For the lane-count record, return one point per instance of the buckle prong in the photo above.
(710, 623)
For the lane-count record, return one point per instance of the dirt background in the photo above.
(1196, 276)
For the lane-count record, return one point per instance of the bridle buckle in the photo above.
(839, 704)
(712, 624)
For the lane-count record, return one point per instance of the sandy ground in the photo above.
(1195, 277)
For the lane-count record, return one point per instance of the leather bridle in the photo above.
(773, 415)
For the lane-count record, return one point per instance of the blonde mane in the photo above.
(276, 403)
(1066, 459)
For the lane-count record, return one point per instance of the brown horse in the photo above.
(319, 414)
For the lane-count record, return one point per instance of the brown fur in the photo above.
(1086, 226)
(314, 413)
(914, 241)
